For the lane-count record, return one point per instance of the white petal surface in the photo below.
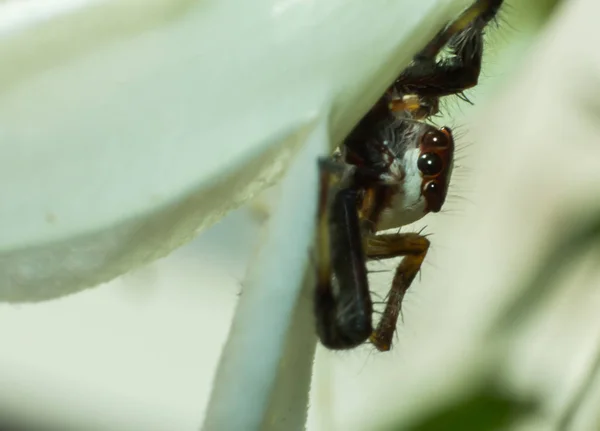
(126, 126)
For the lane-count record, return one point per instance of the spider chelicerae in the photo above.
(390, 171)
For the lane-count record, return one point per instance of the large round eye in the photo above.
(435, 138)
(430, 164)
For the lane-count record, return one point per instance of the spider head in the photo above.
(418, 175)
(410, 163)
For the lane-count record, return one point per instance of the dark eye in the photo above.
(430, 164)
(435, 138)
(432, 187)
(434, 196)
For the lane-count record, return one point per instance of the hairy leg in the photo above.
(413, 247)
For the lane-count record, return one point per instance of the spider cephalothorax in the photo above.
(390, 171)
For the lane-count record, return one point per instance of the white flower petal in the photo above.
(126, 126)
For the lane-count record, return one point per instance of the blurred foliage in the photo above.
(571, 245)
(544, 7)
(568, 247)
(485, 409)
(538, 10)
(566, 421)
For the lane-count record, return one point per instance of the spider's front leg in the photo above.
(413, 247)
(343, 310)
(419, 86)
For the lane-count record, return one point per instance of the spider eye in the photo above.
(433, 193)
(435, 138)
(431, 187)
(430, 164)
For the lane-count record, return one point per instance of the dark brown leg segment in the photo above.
(428, 77)
(343, 311)
(414, 248)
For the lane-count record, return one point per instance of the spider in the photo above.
(390, 171)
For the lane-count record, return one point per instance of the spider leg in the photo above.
(413, 247)
(343, 311)
(429, 78)
(473, 19)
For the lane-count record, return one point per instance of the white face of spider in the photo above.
(409, 204)
(422, 173)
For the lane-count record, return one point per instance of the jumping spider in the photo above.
(390, 171)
